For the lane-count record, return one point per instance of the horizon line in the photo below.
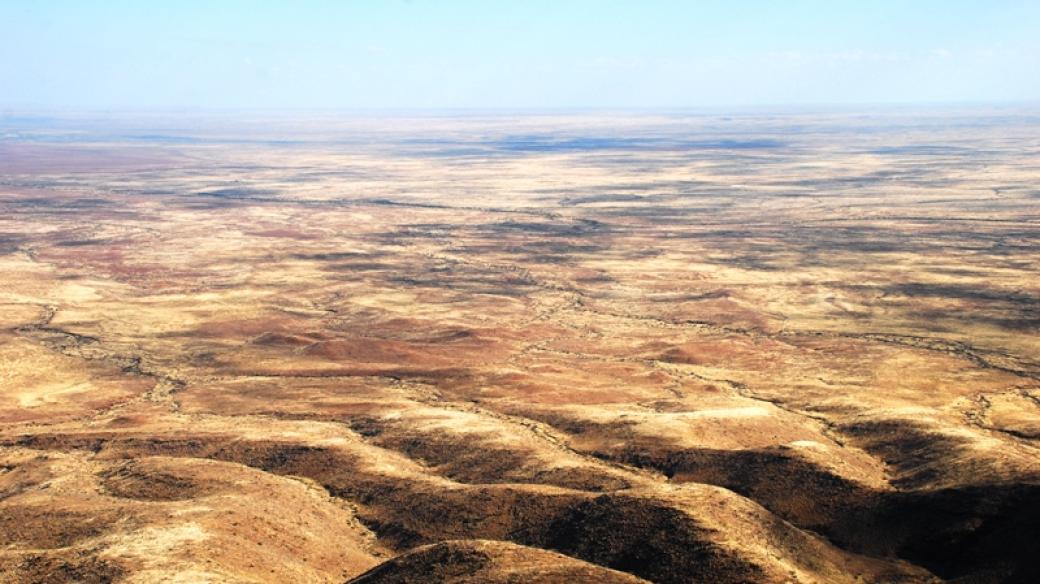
(803, 107)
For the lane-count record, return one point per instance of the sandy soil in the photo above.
(674, 348)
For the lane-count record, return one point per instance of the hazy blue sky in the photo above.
(522, 53)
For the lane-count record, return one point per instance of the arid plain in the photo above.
(571, 348)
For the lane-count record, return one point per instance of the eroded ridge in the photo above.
(540, 349)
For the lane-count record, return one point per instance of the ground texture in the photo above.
(536, 349)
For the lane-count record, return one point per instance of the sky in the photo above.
(393, 54)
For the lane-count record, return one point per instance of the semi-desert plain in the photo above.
(484, 348)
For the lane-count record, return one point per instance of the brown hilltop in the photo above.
(487, 562)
